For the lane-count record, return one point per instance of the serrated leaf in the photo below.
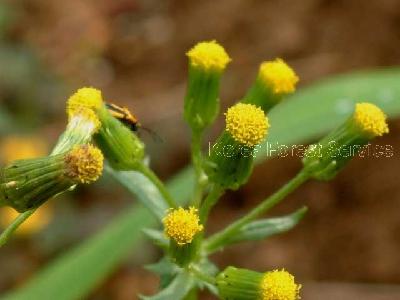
(262, 229)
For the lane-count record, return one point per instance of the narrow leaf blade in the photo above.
(262, 229)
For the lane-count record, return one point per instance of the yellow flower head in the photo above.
(209, 56)
(84, 97)
(182, 225)
(246, 123)
(279, 76)
(370, 119)
(279, 285)
(22, 147)
(85, 163)
(40, 219)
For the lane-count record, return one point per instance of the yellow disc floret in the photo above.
(279, 285)
(84, 97)
(278, 76)
(370, 119)
(209, 56)
(246, 123)
(182, 225)
(84, 163)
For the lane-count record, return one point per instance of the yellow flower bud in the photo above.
(181, 225)
(207, 61)
(278, 76)
(209, 56)
(246, 123)
(243, 284)
(370, 119)
(279, 285)
(326, 158)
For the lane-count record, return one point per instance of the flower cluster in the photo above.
(97, 130)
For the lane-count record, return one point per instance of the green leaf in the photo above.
(78, 271)
(176, 290)
(157, 237)
(309, 113)
(210, 269)
(262, 229)
(165, 269)
(163, 266)
(143, 188)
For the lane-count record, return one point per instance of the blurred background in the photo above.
(347, 246)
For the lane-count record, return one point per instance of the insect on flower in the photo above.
(124, 116)
(128, 119)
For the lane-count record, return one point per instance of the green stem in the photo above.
(217, 240)
(202, 276)
(211, 199)
(158, 183)
(192, 295)
(197, 161)
(6, 234)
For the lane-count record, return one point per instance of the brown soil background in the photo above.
(134, 51)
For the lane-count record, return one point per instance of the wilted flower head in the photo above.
(84, 97)
(85, 163)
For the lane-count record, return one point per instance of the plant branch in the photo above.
(215, 193)
(201, 275)
(217, 240)
(197, 161)
(6, 234)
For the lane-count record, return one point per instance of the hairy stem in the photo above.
(217, 240)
